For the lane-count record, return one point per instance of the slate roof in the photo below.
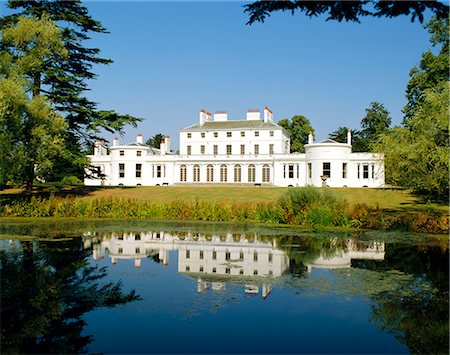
(241, 124)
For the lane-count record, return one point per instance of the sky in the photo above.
(172, 59)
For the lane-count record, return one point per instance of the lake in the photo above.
(141, 287)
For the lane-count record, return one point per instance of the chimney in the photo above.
(349, 137)
(310, 138)
(167, 144)
(97, 146)
(139, 138)
(253, 115)
(115, 142)
(268, 116)
(220, 116)
(162, 147)
(202, 117)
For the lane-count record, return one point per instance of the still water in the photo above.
(116, 287)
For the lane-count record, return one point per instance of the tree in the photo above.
(340, 135)
(298, 128)
(416, 156)
(375, 122)
(30, 130)
(433, 68)
(155, 141)
(64, 79)
(352, 11)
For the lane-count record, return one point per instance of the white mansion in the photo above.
(254, 151)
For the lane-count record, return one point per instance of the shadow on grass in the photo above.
(10, 195)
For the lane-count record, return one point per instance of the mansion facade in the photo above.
(254, 151)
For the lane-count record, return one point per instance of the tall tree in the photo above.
(298, 128)
(64, 80)
(30, 130)
(433, 68)
(376, 121)
(352, 11)
(416, 156)
(155, 141)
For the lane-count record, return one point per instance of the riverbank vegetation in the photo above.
(292, 206)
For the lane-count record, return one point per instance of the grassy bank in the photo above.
(294, 206)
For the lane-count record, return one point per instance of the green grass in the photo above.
(390, 199)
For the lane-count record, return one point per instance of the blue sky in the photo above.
(173, 58)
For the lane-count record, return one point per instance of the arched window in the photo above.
(209, 173)
(266, 173)
(223, 173)
(251, 173)
(183, 173)
(237, 173)
(196, 173)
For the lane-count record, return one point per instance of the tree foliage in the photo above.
(155, 141)
(340, 135)
(416, 156)
(30, 131)
(64, 79)
(351, 11)
(298, 128)
(433, 68)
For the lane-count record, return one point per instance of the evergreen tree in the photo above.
(64, 79)
(155, 141)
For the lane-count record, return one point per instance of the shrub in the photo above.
(71, 180)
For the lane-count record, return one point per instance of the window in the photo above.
(214, 255)
(291, 171)
(228, 134)
(241, 255)
(188, 254)
(256, 133)
(188, 268)
(227, 255)
(242, 149)
(216, 149)
(228, 149)
(201, 269)
(189, 150)
(270, 257)
(214, 270)
(326, 169)
(223, 173)
(183, 173)
(202, 149)
(309, 170)
(255, 272)
(189, 135)
(242, 134)
(121, 170)
(241, 271)
(344, 170)
(121, 153)
(251, 173)
(196, 173)
(216, 134)
(227, 270)
(158, 171)
(120, 251)
(298, 171)
(266, 173)
(365, 171)
(203, 135)
(373, 171)
(138, 170)
(256, 149)
(271, 149)
(209, 173)
(237, 173)
(137, 250)
(137, 236)
(201, 254)
(284, 171)
(139, 153)
(271, 133)
(359, 171)
(255, 256)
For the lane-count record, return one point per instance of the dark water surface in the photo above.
(129, 287)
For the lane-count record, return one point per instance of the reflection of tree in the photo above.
(419, 316)
(45, 291)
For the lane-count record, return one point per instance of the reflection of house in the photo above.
(250, 151)
(343, 259)
(216, 260)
